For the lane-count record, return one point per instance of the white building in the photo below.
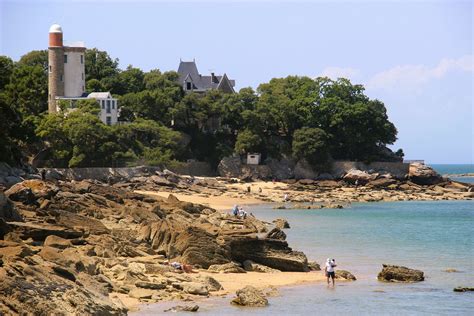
(253, 159)
(109, 111)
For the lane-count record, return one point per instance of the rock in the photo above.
(276, 233)
(382, 183)
(362, 177)
(463, 289)
(255, 267)
(65, 273)
(150, 285)
(183, 308)
(281, 223)
(304, 170)
(250, 296)
(211, 283)
(141, 293)
(229, 167)
(451, 270)
(195, 288)
(57, 242)
(40, 231)
(424, 175)
(230, 267)
(392, 273)
(314, 266)
(29, 191)
(272, 253)
(7, 210)
(345, 275)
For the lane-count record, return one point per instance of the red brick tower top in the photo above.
(55, 36)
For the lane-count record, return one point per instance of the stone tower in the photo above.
(56, 66)
(66, 77)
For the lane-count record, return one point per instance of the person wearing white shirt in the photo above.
(329, 270)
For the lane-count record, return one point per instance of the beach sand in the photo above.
(225, 201)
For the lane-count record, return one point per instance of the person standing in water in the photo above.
(329, 270)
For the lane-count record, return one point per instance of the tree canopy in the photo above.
(295, 117)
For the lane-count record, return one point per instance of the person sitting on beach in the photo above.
(235, 210)
(329, 270)
(242, 213)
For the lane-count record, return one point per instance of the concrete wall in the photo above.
(195, 168)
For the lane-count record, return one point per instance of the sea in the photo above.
(431, 236)
(456, 171)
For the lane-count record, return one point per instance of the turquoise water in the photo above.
(431, 236)
(454, 169)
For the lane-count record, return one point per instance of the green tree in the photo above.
(100, 65)
(247, 141)
(6, 70)
(311, 144)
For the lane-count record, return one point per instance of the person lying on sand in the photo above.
(187, 268)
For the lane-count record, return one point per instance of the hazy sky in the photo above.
(416, 56)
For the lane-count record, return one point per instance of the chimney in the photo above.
(214, 78)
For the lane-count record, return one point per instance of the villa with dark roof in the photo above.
(193, 81)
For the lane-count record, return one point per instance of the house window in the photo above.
(103, 104)
(113, 104)
(189, 86)
(108, 120)
(82, 59)
(108, 106)
(65, 59)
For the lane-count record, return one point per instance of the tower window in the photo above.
(65, 59)
(50, 69)
(82, 76)
(61, 77)
(82, 59)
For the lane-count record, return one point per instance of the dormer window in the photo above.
(189, 85)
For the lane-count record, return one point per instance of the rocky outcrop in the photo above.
(360, 177)
(345, 275)
(281, 223)
(424, 175)
(463, 289)
(251, 297)
(255, 267)
(272, 253)
(230, 267)
(183, 308)
(392, 273)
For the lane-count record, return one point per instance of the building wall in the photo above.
(74, 72)
(55, 71)
(104, 110)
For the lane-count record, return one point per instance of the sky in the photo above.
(415, 56)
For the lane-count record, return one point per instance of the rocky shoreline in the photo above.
(92, 247)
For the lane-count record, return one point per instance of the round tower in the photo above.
(56, 66)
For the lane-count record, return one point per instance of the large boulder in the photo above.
(392, 273)
(250, 296)
(422, 174)
(359, 176)
(272, 253)
(345, 275)
(230, 167)
(281, 223)
(249, 265)
(29, 191)
(7, 210)
(230, 267)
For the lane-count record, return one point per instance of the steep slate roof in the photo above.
(188, 72)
